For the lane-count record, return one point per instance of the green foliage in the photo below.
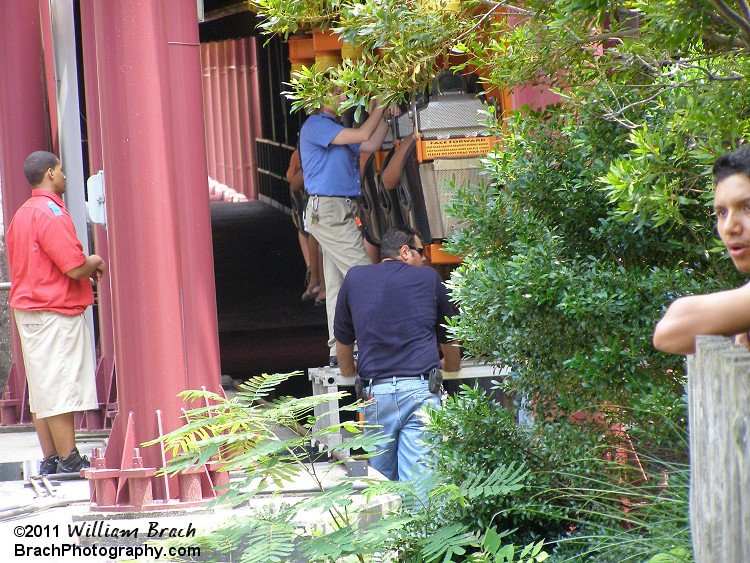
(595, 215)
(602, 503)
(334, 522)
(645, 521)
(405, 45)
(473, 435)
(552, 284)
(284, 17)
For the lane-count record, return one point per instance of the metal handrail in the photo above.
(4, 286)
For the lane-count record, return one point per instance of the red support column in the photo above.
(254, 114)
(207, 115)
(227, 118)
(105, 384)
(235, 117)
(163, 293)
(24, 128)
(189, 146)
(214, 63)
(243, 120)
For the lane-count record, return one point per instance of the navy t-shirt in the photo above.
(394, 311)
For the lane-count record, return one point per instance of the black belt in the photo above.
(337, 196)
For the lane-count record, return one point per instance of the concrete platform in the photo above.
(59, 526)
(20, 454)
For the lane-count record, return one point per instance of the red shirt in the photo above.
(42, 246)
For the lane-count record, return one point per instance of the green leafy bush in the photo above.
(552, 285)
(472, 436)
(606, 503)
(417, 523)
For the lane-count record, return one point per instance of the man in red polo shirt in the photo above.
(50, 289)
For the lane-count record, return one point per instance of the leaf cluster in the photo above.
(405, 44)
(333, 523)
(590, 503)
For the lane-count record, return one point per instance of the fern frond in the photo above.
(262, 386)
(504, 480)
(448, 541)
(268, 542)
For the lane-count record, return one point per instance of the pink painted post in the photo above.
(24, 128)
(247, 137)
(235, 117)
(105, 384)
(148, 235)
(226, 113)
(254, 115)
(214, 62)
(49, 74)
(190, 172)
(207, 116)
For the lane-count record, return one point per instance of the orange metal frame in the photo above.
(438, 256)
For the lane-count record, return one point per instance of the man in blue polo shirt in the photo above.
(330, 166)
(396, 312)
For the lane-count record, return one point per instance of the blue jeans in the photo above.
(398, 407)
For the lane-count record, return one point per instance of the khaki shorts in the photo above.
(59, 362)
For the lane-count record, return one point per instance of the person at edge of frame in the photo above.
(725, 313)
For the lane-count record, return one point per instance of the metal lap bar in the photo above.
(449, 126)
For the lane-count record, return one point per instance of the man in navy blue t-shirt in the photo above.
(395, 311)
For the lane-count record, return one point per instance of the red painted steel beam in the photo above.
(105, 382)
(150, 229)
(228, 119)
(207, 116)
(247, 139)
(49, 74)
(189, 146)
(218, 126)
(235, 117)
(24, 128)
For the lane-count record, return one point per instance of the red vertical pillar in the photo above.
(243, 121)
(226, 113)
(214, 62)
(192, 201)
(254, 113)
(145, 200)
(235, 117)
(24, 128)
(105, 365)
(207, 115)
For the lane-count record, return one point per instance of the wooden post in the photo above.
(719, 415)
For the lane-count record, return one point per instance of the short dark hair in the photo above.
(396, 237)
(731, 163)
(36, 166)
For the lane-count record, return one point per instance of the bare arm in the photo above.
(451, 356)
(391, 176)
(345, 354)
(725, 313)
(376, 141)
(294, 172)
(362, 134)
(93, 267)
(296, 183)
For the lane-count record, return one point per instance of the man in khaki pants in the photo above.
(50, 290)
(330, 165)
